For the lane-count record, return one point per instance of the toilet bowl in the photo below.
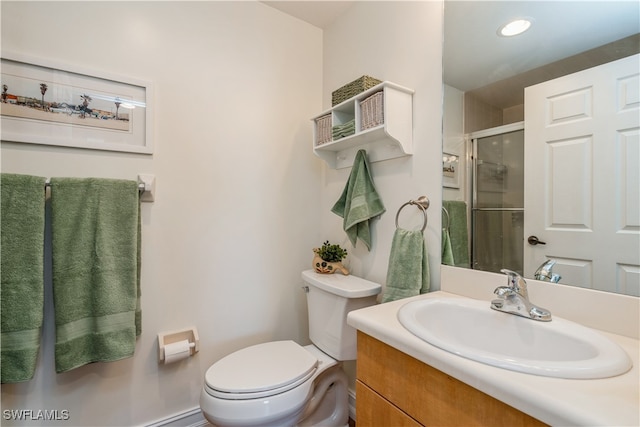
(277, 381)
(282, 383)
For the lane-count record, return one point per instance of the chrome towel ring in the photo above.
(448, 222)
(422, 203)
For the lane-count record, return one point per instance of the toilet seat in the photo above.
(260, 371)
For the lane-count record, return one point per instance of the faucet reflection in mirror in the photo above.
(545, 274)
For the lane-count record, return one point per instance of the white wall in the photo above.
(237, 206)
(453, 139)
(400, 42)
(235, 86)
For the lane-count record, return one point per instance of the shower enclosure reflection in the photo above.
(497, 207)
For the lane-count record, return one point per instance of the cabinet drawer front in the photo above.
(373, 410)
(428, 395)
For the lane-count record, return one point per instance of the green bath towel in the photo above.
(359, 202)
(408, 272)
(96, 289)
(458, 232)
(22, 269)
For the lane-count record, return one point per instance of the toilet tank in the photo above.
(330, 297)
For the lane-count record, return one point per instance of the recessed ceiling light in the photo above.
(515, 27)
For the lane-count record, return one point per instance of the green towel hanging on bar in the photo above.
(96, 287)
(22, 267)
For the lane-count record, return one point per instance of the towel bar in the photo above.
(422, 203)
(141, 185)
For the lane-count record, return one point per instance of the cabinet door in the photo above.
(373, 410)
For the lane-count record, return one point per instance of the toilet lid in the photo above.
(260, 368)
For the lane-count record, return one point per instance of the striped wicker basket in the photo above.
(372, 111)
(323, 129)
(352, 89)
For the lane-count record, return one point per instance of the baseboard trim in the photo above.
(194, 417)
(190, 418)
(352, 404)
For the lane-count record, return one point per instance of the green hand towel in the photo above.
(447, 253)
(408, 272)
(359, 202)
(95, 242)
(458, 232)
(22, 269)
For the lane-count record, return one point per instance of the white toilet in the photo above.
(281, 383)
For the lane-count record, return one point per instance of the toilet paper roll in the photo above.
(176, 351)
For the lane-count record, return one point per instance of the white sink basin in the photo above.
(471, 329)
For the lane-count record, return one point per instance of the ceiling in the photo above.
(476, 57)
(318, 13)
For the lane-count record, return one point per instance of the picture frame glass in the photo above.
(45, 104)
(450, 170)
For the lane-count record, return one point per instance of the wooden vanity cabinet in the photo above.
(394, 389)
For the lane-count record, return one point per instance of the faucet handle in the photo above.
(516, 282)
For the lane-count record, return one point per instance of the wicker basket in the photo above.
(323, 129)
(372, 111)
(352, 89)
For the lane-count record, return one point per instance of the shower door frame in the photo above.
(472, 139)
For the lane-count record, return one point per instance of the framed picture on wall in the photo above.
(44, 102)
(450, 170)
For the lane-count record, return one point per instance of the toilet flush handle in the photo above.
(305, 289)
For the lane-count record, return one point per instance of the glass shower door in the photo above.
(497, 214)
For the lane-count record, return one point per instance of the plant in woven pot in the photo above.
(328, 259)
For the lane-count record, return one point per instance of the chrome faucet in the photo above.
(544, 272)
(514, 299)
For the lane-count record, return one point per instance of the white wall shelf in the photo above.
(391, 139)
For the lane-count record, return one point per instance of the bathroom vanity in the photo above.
(396, 389)
(405, 381)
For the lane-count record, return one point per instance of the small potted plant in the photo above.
(328, 259)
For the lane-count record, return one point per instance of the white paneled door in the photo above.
(582, 162)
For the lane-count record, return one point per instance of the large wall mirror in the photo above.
(485, 139)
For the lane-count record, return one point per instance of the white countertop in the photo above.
(607, 402)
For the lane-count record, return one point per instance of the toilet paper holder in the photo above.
(166, 338)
